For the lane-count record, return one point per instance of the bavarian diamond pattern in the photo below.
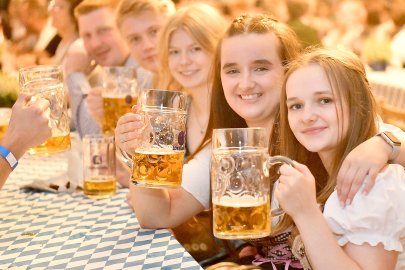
(40, 230)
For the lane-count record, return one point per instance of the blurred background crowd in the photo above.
(41, 31)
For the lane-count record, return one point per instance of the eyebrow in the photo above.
(132, 35)
(259, 61)
(317, 93)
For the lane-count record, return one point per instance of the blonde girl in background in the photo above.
(191, 38)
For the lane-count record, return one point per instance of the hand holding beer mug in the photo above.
(240, 183)
(119, 95)
(157, 161)
(99, 166)
(5, 114)
(47, 82)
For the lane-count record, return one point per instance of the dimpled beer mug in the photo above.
(119, 94)
(47, 82)
(99, 166)
(158, 160)
(5, 114)
(240, 183)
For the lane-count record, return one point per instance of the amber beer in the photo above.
(59, 121)
(157, 169)
(241, 218)
(5, 114)
(3, 128)
(99, 187)
(114, 108)
(99, 166)
(52, 145)
(157, 160)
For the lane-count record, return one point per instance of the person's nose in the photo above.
(148, 44)
(246, 81)
(94, 42)
(184, 58)
(309, 114)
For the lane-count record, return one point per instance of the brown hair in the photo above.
(206, 26)
(221, 114)
(37, 7)
(73, 4)
(132, 8)
(349, 84)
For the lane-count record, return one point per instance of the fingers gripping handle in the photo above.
(278, 160)
(126, 158)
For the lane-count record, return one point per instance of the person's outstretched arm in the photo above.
(165, 208)
(28, 127)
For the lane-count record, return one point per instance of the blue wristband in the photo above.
(4, 152)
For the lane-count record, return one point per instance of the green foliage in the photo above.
(8, 90)
(376, 50)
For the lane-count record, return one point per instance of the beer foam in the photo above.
(162, 110)
(157, 151)
(240, 150)
(243, 201)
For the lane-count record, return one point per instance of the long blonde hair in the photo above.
(349, 84)
(205, 25)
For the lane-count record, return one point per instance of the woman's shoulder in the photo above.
(378, 217)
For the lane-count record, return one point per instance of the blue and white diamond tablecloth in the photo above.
(40, 230)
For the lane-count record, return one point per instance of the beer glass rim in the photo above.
(164, 90)
(40, 68)
(165, 108)
(223, 135)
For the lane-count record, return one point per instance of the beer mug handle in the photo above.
(278, 160)
(126, 158)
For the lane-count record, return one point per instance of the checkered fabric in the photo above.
(389, 86)
(40, 230)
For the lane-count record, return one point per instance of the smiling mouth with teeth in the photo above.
(186, 73)
(250, 97)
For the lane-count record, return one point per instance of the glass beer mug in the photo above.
(240, 183)
(119, 94)
(158, 159)
(99, 166)
(47, 82)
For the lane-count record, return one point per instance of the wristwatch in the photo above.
(389, 138)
